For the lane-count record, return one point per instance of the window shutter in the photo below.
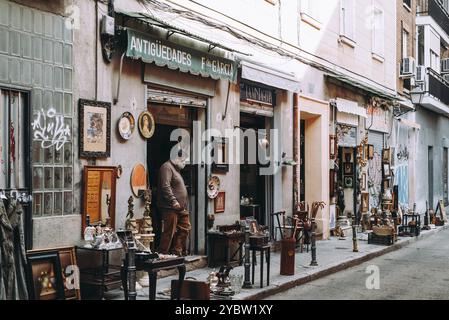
(347, 19)
(350, 19)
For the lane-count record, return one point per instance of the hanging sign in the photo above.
(256, 94)
(165, 53)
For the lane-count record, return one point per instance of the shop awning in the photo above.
(177, 57)
(350, 107)
(361, 85)
(268, 76)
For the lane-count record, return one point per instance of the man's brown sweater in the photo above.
(171, 188)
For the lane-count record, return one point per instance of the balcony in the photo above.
(437, 93)
(434, 9)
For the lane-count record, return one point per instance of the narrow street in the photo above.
(418, 271)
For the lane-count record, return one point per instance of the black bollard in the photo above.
(313, 241)
(247, 264)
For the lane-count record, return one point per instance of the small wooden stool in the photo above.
(262, 250)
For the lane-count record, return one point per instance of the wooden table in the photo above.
(221, 242)
(153, 266)
(105, 276)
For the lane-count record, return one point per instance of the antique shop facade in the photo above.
(64, 72)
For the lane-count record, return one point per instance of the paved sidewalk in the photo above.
(332, 255)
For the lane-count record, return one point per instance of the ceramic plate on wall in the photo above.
(126, 125)
(213, 187)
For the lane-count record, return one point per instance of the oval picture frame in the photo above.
(146, 124)
(126, 125)
(213, 187)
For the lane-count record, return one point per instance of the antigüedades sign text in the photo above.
(165, 53)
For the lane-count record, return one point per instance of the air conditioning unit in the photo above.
(408, 67)
(445, 66)
(420, 74)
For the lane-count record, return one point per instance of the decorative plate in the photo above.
(213, 187)
(126, 125)
(146, 124)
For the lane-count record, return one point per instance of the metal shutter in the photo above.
(375, 168)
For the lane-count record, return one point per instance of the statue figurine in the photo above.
(130, 214)
(147, 197)
(131, 223)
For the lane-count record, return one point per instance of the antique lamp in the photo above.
(416, 95)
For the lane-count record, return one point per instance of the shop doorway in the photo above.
(15, 159)
(167, 119)
(255, 189)
(347, 180)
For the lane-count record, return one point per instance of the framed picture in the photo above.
(45, 276)
(99, 186)
(220, 202)
(347, 153)
(348, 182)
(365, 202)
(386, 155)
(370, 151)
(333, 149)
(364, 186)
(348, 168)
(219, 155)
(70, 277)
(146, 124)
(253, 227)
(95, 129)
(386, 168)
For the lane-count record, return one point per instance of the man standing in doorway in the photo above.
(173, 205)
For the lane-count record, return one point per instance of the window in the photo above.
(408, 4)
(13, 139)
(434, 61)
(311, 8)
(378, 32)
(347, 19)
(444, 4)
(421, 45)
(405, 41)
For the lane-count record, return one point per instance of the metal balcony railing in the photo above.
(438, 87)
(435, 9)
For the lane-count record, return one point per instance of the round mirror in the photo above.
(138, 179)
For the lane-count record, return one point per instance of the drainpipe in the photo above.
(296, 151)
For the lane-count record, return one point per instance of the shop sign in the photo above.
(377, 120)
(251, 93)
(165, 53)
